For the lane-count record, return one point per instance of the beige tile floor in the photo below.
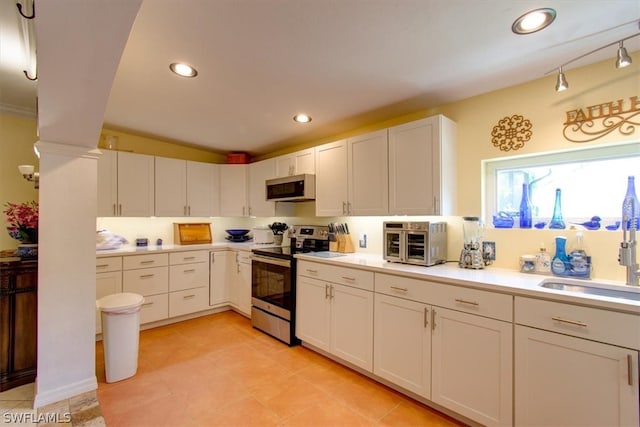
(218, 371)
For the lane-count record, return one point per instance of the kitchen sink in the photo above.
(592, 288)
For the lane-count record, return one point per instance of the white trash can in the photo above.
(120, 315)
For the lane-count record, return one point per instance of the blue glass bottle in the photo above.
(525, 208)
(560, 263)
(556, 221)
(630, 206)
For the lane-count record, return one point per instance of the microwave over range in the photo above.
(420, 243)
(295, 188)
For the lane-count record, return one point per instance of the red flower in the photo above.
(22, 216)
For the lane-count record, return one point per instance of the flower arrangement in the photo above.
(278, 228)
(23, 221)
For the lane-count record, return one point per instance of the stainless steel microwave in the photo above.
(295, 188)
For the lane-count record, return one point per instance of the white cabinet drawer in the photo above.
(188, 257)
(474, 301)
(590, 323)
(154, 308)
(146, 281)
(243, 257)
(347, 276)
(188, 301)
(107, 264)
(144, 261)
(187, 276)
(404, 287)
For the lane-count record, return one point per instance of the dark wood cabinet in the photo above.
(18, 322)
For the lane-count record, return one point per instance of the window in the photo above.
(593, 182)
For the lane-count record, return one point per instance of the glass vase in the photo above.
(630, 207)
(556, 221)
(525, 208)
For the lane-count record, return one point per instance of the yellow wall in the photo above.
(127, 141)
(17, 136)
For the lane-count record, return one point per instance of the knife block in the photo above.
(333, 246)
(345, 244)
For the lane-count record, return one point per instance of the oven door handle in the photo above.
(274, 261)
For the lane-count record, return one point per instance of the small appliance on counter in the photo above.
(471, 255)
(262, 235)
(238, 235)
(420, 243)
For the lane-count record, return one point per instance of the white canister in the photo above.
(262, 235)
(527, 263)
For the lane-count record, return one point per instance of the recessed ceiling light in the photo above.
(534, 20)
(301, 118)
(182, 69)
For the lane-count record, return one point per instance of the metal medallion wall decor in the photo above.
(511, 133)
(593, 122)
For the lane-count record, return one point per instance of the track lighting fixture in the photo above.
(623, 59)
(562, 83)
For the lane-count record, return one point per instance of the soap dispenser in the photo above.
(560, 264)
(543, 260)
(578, 259)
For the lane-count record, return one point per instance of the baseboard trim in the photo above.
(47, 397)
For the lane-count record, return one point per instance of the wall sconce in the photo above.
(622, 60)
(28, 173)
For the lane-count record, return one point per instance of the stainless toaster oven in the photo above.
(420, 243)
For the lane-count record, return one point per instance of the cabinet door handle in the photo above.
(191, 270)
(332, 291)
(433, 319)
(569, 321)
(312, 271)
(397, 288)
(243, 209)
(344, 208)
(189, 296)
(147, 262)
(189, 210)
(426, 317)
(188, 258)
(326, 291)
(147, 304)
(147, 276)
(184, 210)
(351, 279)
(463, 301)
(348, 208)
(629, 369)
(213, 257)
(120, 210)
(102, 265)
(115, 212)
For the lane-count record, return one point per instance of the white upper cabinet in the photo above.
(171, 187)
(233, 190)
(203, 189)
(185, 188)
(303, 161)
(422, 167)
(368, 174)
(331, 179)
(259, 172)
(125, 184)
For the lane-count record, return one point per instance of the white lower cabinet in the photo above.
(402, 343)
(335, 317)
(108, 281)
(472, 366)
(240, 282)
(569, 380)
(455, 355)
(154, 308)
(188, 282)
(219, 266)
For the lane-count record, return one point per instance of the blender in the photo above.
(471, 255)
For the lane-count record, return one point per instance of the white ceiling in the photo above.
(347, 63)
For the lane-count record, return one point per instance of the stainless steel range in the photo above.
(273, 281)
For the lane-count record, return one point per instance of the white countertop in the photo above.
(489, 278)
(135, 250)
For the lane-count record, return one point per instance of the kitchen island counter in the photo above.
(492, 279)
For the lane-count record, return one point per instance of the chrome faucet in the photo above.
(627, 255)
